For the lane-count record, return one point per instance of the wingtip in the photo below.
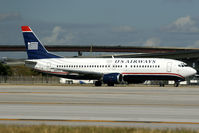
(25, 28)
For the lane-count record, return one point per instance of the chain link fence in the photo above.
(56, 80)
(29, 80)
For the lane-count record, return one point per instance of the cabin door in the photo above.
(169, 66)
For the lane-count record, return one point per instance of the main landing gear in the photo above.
(98, 83)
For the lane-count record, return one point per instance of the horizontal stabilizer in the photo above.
(31, 64)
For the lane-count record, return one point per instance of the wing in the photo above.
(83, 73)
(77, 74)
(30, 63)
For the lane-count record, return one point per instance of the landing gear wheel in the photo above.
(98, 83)
(161, 84)
(176, 84)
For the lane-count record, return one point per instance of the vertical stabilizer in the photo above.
(34, 48)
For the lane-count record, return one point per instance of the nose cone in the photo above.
(189, 71)
(192, 72)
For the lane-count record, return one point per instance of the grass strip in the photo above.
(86, 129)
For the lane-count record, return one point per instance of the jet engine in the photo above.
(112, 78)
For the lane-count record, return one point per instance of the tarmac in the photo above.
(153, 107)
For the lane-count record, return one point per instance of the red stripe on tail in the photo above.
(25, 28)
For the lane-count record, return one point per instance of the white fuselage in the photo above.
(144, 67)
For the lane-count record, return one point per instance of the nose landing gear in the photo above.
(176, 84)
(162, 83)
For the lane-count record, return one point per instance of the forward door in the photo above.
(169, 66)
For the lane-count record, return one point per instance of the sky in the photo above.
(162, 23)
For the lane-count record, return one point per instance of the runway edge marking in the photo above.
(108, 121)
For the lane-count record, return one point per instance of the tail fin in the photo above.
(34, 48)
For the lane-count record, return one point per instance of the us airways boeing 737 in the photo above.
(109, 71)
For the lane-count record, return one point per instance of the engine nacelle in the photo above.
(112, 78)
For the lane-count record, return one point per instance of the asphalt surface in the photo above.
(100, 106)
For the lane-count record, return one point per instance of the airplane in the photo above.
(109, 71)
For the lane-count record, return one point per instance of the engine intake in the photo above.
(112, 78)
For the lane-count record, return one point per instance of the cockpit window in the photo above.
(182, 65)
(185, 65)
